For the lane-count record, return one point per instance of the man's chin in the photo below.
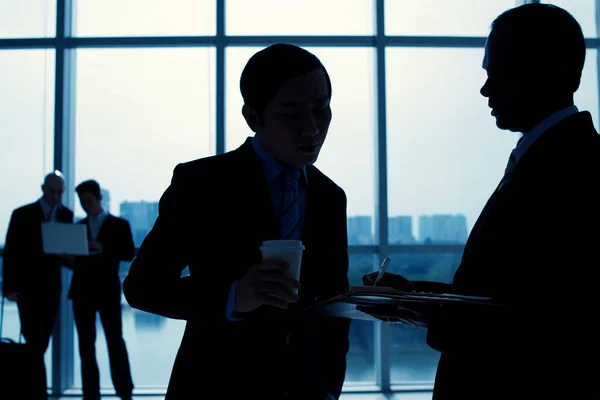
(505, 125)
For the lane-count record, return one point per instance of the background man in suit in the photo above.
(32, 278)
(214, 217)
(535, 245)
(96, 288)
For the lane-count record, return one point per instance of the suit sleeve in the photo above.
(546, 280)
(154, 283)
(120, 246)
(333, 333)
(12, 273)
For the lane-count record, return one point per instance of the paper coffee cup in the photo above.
(289, 251)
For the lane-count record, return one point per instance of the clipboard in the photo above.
(65, 238)
(345, 305)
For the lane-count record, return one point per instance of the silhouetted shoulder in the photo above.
(27, 209)
(119, 220)
(215, 168)
(331, 188)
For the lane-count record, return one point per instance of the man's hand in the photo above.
(94, 245)
(266, 283)
(13, 296)
(395, 281)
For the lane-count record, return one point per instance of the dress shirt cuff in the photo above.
(330, 396)
(231, 304)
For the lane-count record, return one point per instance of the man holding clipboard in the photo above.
(531, 248)
(32, 277)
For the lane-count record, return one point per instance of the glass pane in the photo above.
(27, 19)
(412, 360)
(351, 133)
(445, 154)
(584, 11)
(443, 18)
(27, 131)
(361, 356)
(300, 17)
(144, 17)
(27, 137)
(139, 113)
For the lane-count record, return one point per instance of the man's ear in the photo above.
(252, 118)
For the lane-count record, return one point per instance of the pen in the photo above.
(382, 269)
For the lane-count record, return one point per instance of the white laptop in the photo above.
(65, 238)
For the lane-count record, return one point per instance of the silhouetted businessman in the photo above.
(31, 277)
(534, 246)
(242, 327)
(96, 289)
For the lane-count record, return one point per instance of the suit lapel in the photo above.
(313, 207)
(258, 205)
(104, 228)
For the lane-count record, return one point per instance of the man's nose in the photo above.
(310, 127)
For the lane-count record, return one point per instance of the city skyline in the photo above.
(432, 228)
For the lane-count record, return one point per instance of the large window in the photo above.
(146, 84)
(139, 112)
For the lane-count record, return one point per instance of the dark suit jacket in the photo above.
(213, 218)
(534, 248)
(26, 268)
(97, 276)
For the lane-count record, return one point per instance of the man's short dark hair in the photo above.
(90, 186)
(548, 36)
(267, 71)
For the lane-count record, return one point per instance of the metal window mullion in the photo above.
(220, 71)
(62, 342)
(382, 331)
(597, 47)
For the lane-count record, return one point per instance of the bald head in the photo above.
(53, 188)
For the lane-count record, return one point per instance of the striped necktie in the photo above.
(290, 213)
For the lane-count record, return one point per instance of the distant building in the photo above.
(141, 216)
(443, 229)
(400, 230)
(105, 200)
(360, 230)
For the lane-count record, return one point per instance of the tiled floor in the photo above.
(398, 396)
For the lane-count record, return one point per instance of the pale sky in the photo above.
(141, 111)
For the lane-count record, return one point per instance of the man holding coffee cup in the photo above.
(264, 235)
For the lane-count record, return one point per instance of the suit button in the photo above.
(287, 339)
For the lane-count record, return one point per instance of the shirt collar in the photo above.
(271, 166)
(46, 208)
(100, 217)
(527, 140)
